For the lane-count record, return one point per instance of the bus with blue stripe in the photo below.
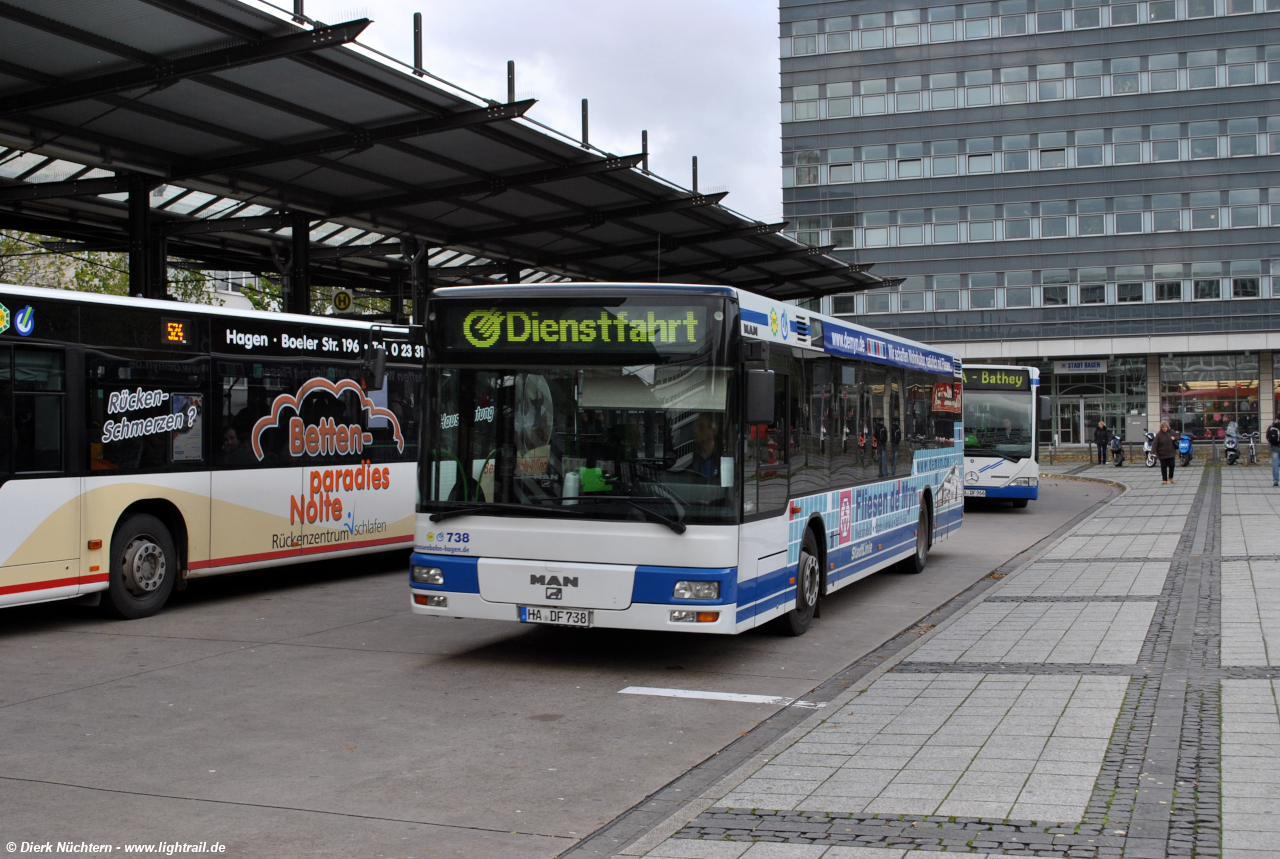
(1001, 446)
(671, 457)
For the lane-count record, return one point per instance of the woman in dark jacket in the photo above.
(1166, 451)
(1102, 438)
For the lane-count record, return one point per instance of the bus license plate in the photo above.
(557, 616)
(975, 493)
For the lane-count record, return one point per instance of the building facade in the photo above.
(1091, 189)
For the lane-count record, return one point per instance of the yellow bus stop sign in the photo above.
(342, 300)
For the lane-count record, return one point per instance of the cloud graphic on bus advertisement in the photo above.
(335, 390)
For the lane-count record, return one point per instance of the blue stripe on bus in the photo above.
(461, 575)
(1011, 491)
(656, 584)
(755, 317)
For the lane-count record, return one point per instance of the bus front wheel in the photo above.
(808, 586)
(144, 565)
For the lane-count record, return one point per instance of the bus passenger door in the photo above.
(766, 471)
(40, 543)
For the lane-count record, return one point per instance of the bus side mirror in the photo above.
(1045, 406)
(373, 368)
(760, 397)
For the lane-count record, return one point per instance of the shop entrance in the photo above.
(1068, 421)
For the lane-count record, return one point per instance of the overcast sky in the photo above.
(700, 75)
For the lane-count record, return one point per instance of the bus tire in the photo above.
(924, 539)
(144, 566)
(808, 587)
(1019, 503)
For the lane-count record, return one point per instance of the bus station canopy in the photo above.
(235, 135)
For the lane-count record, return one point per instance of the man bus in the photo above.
(1001, 444)
(145, 442)
(671, 457)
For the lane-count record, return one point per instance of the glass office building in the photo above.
(1093, 189)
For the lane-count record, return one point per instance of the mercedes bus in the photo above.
(1002, 409)
(669, 457)
(146, 442)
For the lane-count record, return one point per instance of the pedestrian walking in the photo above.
(1273, 439)
(1102, 439)
(1166, 447)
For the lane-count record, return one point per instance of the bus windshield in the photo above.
(634, 429)
(998, 423)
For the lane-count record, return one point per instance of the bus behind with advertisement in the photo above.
(1002, 407)
(145, 442)
(668, 457)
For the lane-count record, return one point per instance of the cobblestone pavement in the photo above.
(1116, 697)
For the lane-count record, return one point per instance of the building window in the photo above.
(1164, 10)
(1204, 147)
(1128, 153)
(1088, 156)
(941, 32)
(838, 174)
(1274, 141)
(1048, 22)
(837, 42)
(1239, 7)
(1088, 87)
(1241, 75)
(980, 163)
(877, 237)
(1128, 222)
(804, 45)
(977, 96)
(946, 300)
(1273, 72)
(913, 235)
(1128, 292)
(911, 302)
(910, 169)
(1017, 296)
(1051, 90)
(1124, 84)
(1053, 159)
(806, 110)
(1017, 161)
(1017, 229)
(1013, 25)
(839, 107)
(978, 28)
(807, 175)
(908, 102)
(1202, 77)
(1169, 221)
(1243, 144)
(1200, 8)
(842, 238)
(1093, 293)
(875, 171)
(982, 299)
(1053, 228)
(877, 302)
(946, 233)
(1164, 150)
(1086, 19)
(1206, 290)
(872, 104)
(906, 36)
(1054, 296)
(1204, 219)
(1244, 216)
(1244, 287)
(1164, 80)
(943, 99)
(982, 231)
(1169, 290)
(872, 39)
(1124, 15)
(944, 165)
(1014, 93)
(1091, 225)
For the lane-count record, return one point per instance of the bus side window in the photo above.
(39, 384)
(6, 412)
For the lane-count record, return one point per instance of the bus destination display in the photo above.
(627, 328)
(981, 378)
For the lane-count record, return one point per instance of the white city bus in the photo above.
(1001, 445)
(667, 457)
(143, 442)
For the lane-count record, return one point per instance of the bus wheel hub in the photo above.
(144, 566)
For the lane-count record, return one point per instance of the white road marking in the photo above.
(775, 700)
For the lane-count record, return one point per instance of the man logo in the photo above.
(482, 328)
(554, 581)
(555, 594)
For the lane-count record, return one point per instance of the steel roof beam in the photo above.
(170, 71)
(230, 225)
(491, 186)
(668, 244)
(729, 263)
(360, 139)
(50, 190)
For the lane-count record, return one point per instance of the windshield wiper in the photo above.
(652, 515)
(491, 509)
(984, 451)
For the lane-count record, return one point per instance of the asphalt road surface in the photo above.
(306, 711)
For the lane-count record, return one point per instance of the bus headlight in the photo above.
(1025, 481)
(428, 575)
(697, 591)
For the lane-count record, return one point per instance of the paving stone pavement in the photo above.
(1117, 697)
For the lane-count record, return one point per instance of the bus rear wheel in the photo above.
(808, 587)
(924, 538)
(144, 565)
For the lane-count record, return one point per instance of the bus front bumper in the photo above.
(1030, 492)
(649, 616)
